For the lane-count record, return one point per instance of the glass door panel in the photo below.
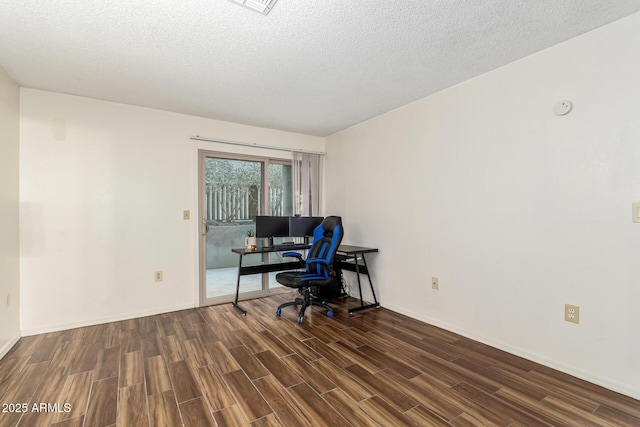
(232, 199)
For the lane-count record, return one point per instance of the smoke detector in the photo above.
(260, 6)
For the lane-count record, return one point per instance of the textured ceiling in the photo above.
(310, 67)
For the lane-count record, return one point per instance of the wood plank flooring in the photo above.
(212, 366)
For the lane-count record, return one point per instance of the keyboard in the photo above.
(285, 245)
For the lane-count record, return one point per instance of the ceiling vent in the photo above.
(261, 6)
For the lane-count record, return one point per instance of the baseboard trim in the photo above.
(5, 350)
(101, 320)
(586, 376)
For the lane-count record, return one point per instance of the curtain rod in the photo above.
(251, 144)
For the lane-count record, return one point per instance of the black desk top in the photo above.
(268, 249)
(351, 250)
(342, 249)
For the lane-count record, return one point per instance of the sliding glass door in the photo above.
(233, 191)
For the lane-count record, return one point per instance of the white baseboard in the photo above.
(625, 389)
(4, 350)
(101, 320)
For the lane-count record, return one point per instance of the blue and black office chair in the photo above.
(319, 269)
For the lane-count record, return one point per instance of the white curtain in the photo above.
(307, 183)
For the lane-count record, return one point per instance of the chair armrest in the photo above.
(293, 255)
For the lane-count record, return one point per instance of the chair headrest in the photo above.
(330, 223)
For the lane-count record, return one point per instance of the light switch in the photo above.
(635, 212)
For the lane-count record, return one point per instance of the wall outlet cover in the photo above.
(572, 313)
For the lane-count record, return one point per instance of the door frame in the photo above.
(203, 154)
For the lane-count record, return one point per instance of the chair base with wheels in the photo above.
(307, 299)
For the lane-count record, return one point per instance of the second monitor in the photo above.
(303, 226)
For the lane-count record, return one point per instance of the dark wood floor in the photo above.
(213, 366)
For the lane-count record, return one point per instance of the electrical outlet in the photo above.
(435, 283)
(186, 215)
(572, 313)
(159, 276)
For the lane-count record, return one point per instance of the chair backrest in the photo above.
(326, 239)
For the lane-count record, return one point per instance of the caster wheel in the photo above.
(279, 312)
(329, 313)
(301, 320)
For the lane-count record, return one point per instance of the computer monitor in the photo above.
(303, 226)
(272, 226)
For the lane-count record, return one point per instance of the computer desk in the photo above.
(264, 268)
(347, 258)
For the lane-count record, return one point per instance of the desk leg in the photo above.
(355, 260)
(373, 292)
(235, 303)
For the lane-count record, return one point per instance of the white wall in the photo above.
(9, 207)
(516, 210)
(102, 190)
